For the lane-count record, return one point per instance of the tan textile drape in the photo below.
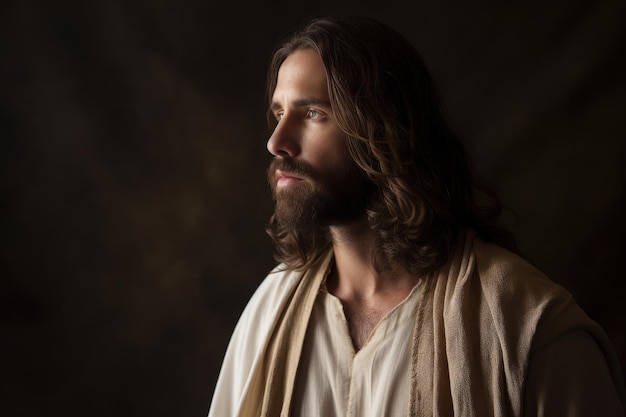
(476, 328)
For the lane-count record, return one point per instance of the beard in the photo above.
(338, 197)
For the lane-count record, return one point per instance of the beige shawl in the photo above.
(476, 327)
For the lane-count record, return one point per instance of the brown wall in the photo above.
(132, 167)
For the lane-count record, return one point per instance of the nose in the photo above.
(284, 140)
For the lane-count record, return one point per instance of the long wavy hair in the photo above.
(425, 190)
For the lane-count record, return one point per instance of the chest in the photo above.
(362, 316)
(361, 321)
(335, 379)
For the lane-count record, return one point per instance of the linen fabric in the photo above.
(482, 340)
(375, 380)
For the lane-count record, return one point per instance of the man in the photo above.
(397, 294)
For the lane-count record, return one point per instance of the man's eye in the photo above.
(313, 114)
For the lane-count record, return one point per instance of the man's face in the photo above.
(313, 177)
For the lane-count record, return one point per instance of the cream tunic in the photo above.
(492, 337)
(335, 381)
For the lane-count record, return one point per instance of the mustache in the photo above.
(289, 165)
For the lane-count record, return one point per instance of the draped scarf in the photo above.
(477, 323)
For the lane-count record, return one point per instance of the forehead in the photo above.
(302, 71)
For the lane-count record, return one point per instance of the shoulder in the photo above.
(508, 277)
(248, 341)
(267, 301)
(262, 312)
(503, 309)
(525, 298)
(504, 270)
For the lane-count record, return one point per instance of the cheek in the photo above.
(332, 146)
(340, 168)
(326, 149)
(335, 164)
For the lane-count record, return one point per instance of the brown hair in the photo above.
(383, 98)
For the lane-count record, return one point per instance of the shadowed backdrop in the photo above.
(134, 198)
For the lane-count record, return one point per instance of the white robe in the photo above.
(494, 339)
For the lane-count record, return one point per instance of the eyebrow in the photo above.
(303, 103)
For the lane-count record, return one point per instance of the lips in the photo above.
(285, 179)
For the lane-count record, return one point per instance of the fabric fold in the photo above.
(273, 380)
(476, 328)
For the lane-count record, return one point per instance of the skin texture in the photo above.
(314, 177)
(306, 129)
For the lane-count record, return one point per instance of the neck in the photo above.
(354, 274)
(365, 293)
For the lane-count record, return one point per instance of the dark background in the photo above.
(133, 189)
